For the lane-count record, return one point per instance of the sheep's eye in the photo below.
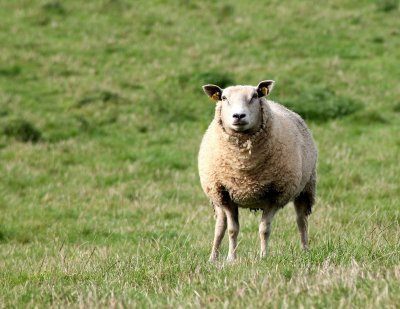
(224, 98)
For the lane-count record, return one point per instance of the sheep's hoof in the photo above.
(231, 259)
(213, 259)
(263, 254)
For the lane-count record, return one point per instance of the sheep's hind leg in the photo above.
(303, 206)
(302, 223)
(265, 229)
(220, 228)
(232, 214)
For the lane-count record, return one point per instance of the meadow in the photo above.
(101, 116)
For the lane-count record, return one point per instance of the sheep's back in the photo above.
(302, 139)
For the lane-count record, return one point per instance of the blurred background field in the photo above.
(101, 116)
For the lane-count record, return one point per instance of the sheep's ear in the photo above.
(213, 91)
(265, 87)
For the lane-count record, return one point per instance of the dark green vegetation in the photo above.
(101, 115)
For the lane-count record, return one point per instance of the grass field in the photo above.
(101, 116)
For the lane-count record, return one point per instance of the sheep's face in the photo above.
(240, 105)
(240, 108)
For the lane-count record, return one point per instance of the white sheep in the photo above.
(255, 154)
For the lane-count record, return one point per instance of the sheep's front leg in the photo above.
(220, 228)
(265, 229)
(232, 214)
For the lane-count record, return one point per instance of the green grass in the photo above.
(101, 116)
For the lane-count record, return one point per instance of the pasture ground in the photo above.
(101, 116)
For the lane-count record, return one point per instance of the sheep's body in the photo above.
(271, 166)
(265, 167)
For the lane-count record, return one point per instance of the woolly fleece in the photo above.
(268, 168)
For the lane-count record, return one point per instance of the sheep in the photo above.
(255, 154)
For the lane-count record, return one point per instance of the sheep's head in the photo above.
(240, 105)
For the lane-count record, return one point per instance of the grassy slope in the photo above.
(106, 209)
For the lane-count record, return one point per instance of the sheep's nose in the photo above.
(239, 116)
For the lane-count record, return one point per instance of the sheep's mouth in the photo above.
(240, 126)
(240, 123)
